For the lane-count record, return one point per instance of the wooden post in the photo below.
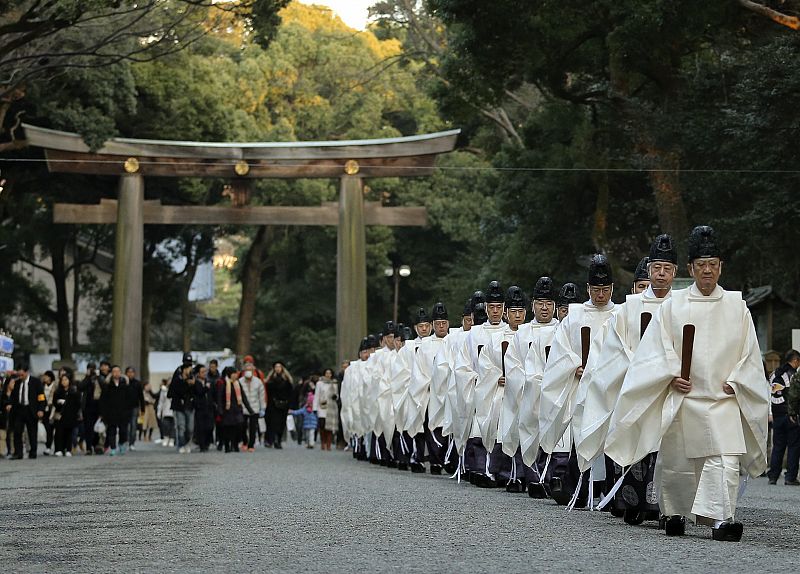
(351, 270)
(126, 330)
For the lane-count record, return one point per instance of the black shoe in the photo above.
(728, 532)
(662, 522)
(32, 456)
(616, 512)
(633, 517)
(515, 487)
(219, 447)
(436, 469)
(559, 494)
(451, 468)
(675, 525)
(392, 464)
(773, 481)
(417, 468)
(278, 446)
(483, 481)
(402, 466)
(384, 462)
(16, 457)
(791, 483)
(537, 490)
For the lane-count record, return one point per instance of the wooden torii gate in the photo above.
(134, 159)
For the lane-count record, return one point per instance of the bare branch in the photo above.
(783, 19)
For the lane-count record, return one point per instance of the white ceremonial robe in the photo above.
(602, 382)
(706, 436)
(466, 375)
(385, 397)
(559, 382)
(348, 393)
(443, 384)
(419, 389)
(400, 378)
(488, 394)
(519, 418)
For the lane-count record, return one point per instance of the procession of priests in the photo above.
(654, 409)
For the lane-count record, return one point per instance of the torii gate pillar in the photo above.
(126, 329)
(351, 269)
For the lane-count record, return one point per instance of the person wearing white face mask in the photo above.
(253, 388)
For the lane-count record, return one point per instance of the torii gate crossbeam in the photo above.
(133, 159)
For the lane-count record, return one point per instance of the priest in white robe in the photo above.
(443, 397)
(704, 398)
(490, 390)
(488, 318)
(427, 442)
(380, 397)
(636, 496)
(575, 336)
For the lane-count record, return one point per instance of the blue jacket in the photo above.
(309, 418)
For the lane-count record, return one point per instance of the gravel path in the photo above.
(299, 510)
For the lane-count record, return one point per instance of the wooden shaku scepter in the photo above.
(586, 333)
(686, 354)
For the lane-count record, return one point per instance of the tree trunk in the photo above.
(147, 315)
(251, 282)
(62, 307)
(665, 181)
(76, 293)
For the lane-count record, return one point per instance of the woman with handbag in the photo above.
(279, 392)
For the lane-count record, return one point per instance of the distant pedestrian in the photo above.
(149, 420)
(253, 388)
(136, 404)
(26, 405)
(66, 414)
(205, 397)
(49, 385)
(182, 393)
(310, 420)
(165, 415)
(280, 389)
(115, 410)
(325, 397)
(91, 388)
(231, 406)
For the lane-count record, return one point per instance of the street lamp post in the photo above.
(396, 272)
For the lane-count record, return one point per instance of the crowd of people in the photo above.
(652, 409)
(200, 407)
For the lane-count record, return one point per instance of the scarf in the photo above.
(237, 388)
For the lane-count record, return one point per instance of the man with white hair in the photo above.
(696, 385)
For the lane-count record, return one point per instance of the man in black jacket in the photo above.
(26, 406)
(785, 431)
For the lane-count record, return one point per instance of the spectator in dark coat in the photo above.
(67, 406)
(26, 405)
(280, 390)
(91, 388)
(205, 396)
(115, 411)
(231, 406)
